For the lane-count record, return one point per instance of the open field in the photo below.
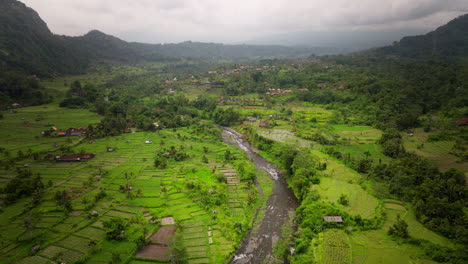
(376, 247)
(360, 201)
(415, 228)
(437, 151)
(285, 136)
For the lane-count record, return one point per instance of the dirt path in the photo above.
(257, 246)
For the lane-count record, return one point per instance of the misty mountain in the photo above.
(338, 42)
(450, 40)
(27, 45)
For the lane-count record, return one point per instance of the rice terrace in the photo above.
(115, 151)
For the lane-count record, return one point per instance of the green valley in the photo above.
(192, 153)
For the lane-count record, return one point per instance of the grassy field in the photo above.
(437, 151)
(376, 247)
(360, 201)
(285, 136)
(415, 228)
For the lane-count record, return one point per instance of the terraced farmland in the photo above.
(204, 207)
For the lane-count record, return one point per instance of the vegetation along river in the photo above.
(257, 246)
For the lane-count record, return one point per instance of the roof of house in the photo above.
(462, 122)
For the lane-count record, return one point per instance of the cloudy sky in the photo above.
(228, 21)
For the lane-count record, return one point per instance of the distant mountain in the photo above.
(450, 40)
(27, 45)
(344, 41)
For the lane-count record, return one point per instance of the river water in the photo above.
(257, 246)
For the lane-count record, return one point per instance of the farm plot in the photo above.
(360, 202)
(336, 169)
(60, 254)
(375, 246)
(35, 260)
(415, 228)
(153, 192)
(358, 134)
(439, 151)
(285, 136)
(156, 252)
(335, 247)
(77, 243)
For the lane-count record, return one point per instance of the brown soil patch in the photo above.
(163, 235)
(154, 252)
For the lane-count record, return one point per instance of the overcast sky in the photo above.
(228, 21)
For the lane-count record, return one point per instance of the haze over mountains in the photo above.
(27, 44)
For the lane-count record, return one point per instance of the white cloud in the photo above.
(158, 21)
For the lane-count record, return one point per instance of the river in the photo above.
(257, 246)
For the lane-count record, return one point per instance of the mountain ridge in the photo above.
(449, 40)
(27, 45)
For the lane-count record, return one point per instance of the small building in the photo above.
(333, 219)
(16, 105)
(46, 133)
(62, 134)
(75, 157)
(148, 142)
(76, 131)
(462, 122)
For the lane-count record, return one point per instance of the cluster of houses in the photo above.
(273, 91)
(53, 131)
(240, 101)
(245, 68)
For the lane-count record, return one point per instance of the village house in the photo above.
(49, 132)
(462, 122)
(16, 105)
(273, 91)
(75, 157)
(76, 131)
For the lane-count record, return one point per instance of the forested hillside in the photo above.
(450, 40)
